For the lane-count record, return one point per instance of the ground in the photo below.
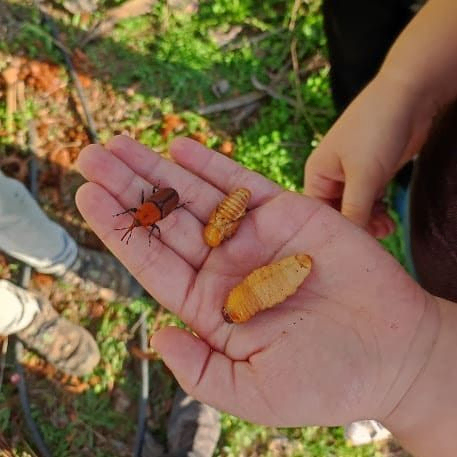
(179, 69)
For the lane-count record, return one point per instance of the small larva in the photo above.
(265, 287)
(226, 217)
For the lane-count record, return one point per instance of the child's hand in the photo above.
(347, 345)
(377, 134)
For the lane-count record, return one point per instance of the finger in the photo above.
(151, 266)
(381, 226)
(180, 230)
(322, 181)
(221, 171)
(358, 198)
(211, 376)
(153, 168)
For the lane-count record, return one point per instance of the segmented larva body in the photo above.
(265, 287)
(226, 217)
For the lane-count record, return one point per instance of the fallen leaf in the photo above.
(200, 137)
(227, 148)
(171, 123)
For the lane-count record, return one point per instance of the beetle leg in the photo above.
(153, 227)
(182, 205)
(130, 210)
(142, 196)
(128, 238)
(155, 188)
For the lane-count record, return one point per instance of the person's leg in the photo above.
(67, 346)
(17, 310)
(27, 234)
(193, 428)
(359, 34)
(433, 212)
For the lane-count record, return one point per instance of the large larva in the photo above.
(226, 217)
(265, 287)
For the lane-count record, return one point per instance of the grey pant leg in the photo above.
(17, 308)
(27, 234)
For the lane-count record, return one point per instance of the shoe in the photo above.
(193, 428)
(67, 346)
(366, 432)
(94, 270)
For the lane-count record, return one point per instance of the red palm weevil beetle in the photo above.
(155, 208)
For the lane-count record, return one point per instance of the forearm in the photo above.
(425, 420)
(424, 57)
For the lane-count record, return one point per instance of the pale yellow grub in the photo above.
(226, 217)
(266, 287)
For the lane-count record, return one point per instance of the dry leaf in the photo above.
(171, 123)
(200, 137)
(226, 148)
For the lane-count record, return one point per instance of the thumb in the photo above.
(201, 372)
(358, 197)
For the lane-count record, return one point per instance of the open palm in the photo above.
(333, 352)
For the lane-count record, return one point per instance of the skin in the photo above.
(388, 122)
(358, 318)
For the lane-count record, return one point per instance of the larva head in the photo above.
(213, 235)
(226, 316)
(237, 307)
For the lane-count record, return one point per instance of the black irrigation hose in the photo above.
(25, 404)
(90, 121)
(18, 346)
(142, 408)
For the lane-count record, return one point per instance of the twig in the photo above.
(300, 105)
(294, 14)
(296, 69)
(130, 8)
(245, 112)
(143, 401)
(271, 92)
(10, 76)
(250, 41)
(140, 320)
(233, 103)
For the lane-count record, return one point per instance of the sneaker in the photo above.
(193, 428)
(96, 271)
(69, 347)
(366, 432)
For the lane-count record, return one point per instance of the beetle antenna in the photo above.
(130, 210)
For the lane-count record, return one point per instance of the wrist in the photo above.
(421, 103)
(425, 417)
(424, 55)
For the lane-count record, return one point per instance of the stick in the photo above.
(233, 103)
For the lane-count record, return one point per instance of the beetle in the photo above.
(155, 208)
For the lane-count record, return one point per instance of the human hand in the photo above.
(376, 135)
(347, 345)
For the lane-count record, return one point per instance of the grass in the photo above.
(167, 62)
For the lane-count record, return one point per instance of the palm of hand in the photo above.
(317, 357)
